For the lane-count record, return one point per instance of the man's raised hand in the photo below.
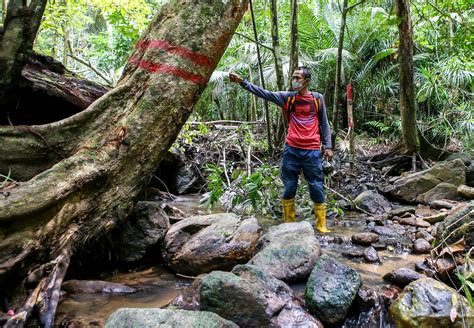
(235, 78)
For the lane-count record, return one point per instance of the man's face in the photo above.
(298, 76)
(298, 81)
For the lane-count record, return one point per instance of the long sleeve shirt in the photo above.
(308, 122)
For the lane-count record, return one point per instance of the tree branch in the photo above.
(354, 5)
(256, 42)
(89, 65)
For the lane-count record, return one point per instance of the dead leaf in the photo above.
(458, 246)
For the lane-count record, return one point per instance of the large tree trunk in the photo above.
(107, 153)
(16, 43)
(407, 86)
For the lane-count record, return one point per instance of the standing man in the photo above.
(305, 112)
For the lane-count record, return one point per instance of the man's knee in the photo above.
(289, 190)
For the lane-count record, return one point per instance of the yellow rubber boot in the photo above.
(320, 217)
(289, 212)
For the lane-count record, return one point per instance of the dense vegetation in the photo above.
(95, 38)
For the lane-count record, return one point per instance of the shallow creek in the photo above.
(157, 286)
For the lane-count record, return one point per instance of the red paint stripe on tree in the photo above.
(168, 69)
(196, 58)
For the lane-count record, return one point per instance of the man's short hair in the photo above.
(306, 71)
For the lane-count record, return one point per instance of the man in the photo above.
(308, 129)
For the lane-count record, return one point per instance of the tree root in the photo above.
(45, 297)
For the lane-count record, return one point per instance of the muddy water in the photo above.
(157, 286)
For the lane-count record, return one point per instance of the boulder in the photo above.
(372, 202)
(365, 238)
(151, 318)
(466, 192)
(200, 244)
(408, 188)
(288, 251)
(252, 298)
(95, 286)
(442, 190)
(429, 303)
(146, 227)
(421, 246)
(402, 277)
(330, 290)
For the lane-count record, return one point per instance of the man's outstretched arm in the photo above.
(278, 98)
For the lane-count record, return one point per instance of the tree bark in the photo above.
(4, 9)
(276, 46)
(279, 132)
(293, 41)
(262, 79)
(16, 43)
(337, 82)
(407, 87)
(112, 149)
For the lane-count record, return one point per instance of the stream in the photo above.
(157, 286)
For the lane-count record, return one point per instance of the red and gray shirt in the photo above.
(308, 124)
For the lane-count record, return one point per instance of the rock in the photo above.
(389, 293)
(330, 290)
(442, 204)
(177, 172)
(366, 298)
(200, 244)
(174, 213)
(95, 286)
(251, 298)
(402, 277)
(379, 246)
(442, 190)
(365, 238)
(353, 253)
(435, 218)
(408, 188)
(371, 255)
(288, 251)
(372, 202)
(458, 224)
(470, 175)
(414, 222)
(466, 192)
(424, 268)
(422, 233)
(401, 210)
(429, 303)
(146, 227)
(151, 318)
(422, 246)
(296, 316)
(190, 297)
(386, 231)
